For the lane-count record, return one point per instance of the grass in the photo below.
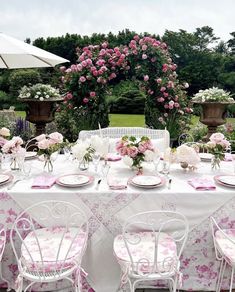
(122, 120)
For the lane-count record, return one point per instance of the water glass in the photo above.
(96, 160)
(27, 167)
(165, 167)
(67, 153)
(105, 170)
(156, 161)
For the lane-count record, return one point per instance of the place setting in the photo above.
(74, 180)
(225, 180)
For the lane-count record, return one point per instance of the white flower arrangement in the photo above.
(39, 92)
(213, 94)
(187, 155)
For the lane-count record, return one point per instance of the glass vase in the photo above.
(83, 164)
(14, 163)
(215, 162)
(48, 165)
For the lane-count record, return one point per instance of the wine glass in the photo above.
(67, 153)
(96, 160)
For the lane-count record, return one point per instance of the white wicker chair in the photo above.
(150, 247)
(2, 247)
(118, 132)
(224, 243)
(54, 251)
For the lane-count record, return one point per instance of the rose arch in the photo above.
(145, 59)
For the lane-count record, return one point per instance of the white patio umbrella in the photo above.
(18, 54)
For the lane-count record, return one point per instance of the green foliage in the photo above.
(6, 100)
(18, 79)
(126, 98)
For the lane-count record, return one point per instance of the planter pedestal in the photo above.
(40, 113)
(213, 115)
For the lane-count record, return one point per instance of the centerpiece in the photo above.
(187, 156)
(217, 146)
(135, 151)
(13, 147)
(48, 145)
(214, 102)
(83, 151)
(41, 100)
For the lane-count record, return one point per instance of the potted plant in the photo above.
(41, 100)
(214, 102)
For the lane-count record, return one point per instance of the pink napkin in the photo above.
(43, 182)
(113, 157)
(116, 183)
(202, 184)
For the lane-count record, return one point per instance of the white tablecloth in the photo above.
(107, 210)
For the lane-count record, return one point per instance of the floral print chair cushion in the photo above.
(225, 246)
(143, 252)
(49, 240)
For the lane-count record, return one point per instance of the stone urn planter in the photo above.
(213, 115)
(41, 112)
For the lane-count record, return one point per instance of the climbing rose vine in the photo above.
(144, 59)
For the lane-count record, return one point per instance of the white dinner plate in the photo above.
(205, 156)
(4, 178)
(74, 180)
(30, 154)
(227, 179)
(146, 180)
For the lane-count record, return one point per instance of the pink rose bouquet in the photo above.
(217, 146)
(135, 151)
(48, 144)
(12, 146)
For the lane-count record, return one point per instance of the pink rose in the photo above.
(144, 47)
(163, 89)
(216, 137)
(69, 95)
(82, 79)
(40, 137)
(146, 77)
(92, 94)
(159, 80)
(132, 151)
(44, 144)
(85, 100)
(144, 56)
(57, 137)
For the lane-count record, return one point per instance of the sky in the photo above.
(42, 18)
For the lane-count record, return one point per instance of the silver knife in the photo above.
(98, 184)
